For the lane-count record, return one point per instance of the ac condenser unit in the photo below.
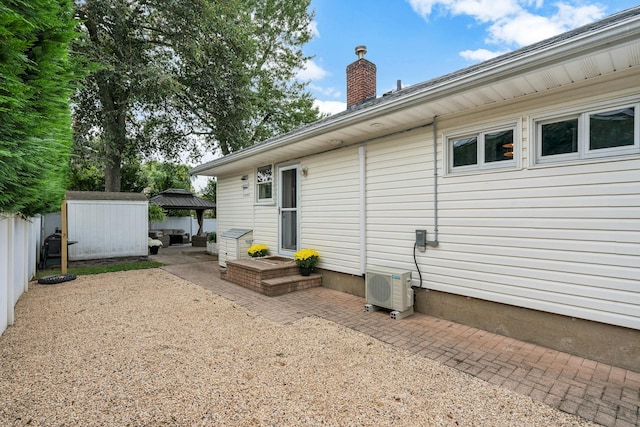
(391, 290)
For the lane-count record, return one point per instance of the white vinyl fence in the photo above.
(19, 243)
(186, 223)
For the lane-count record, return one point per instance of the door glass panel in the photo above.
(289, 229)
(289, 195)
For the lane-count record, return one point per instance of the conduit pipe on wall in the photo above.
(435, 242)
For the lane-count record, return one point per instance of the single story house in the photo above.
(523, 170)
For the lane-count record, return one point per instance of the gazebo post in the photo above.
(200, 216)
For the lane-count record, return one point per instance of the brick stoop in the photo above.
(284, 285)
(271, 276)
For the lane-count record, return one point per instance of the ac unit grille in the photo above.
(380, 288)
(390, 290)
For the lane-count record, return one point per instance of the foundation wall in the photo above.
(605, 343)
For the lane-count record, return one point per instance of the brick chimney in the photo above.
(361, 79)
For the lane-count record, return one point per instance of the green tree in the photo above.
(35, 121)
(193, 75)
(267, 99)
(87, 171)
(209, 192)
(162, 176)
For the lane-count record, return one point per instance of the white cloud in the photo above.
(484, 10)
(513, 23)
(423, 7)
(330, 107)
(312, 71)
(313, 26)
(327, 91)
(479, 54)
(509, 31)
(570, 17)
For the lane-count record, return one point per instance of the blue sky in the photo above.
(415, 40)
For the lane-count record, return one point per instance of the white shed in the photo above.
(233, 244)
(106, 225)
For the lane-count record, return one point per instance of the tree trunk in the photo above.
(112, 174)
(114, 104)
(115, 139)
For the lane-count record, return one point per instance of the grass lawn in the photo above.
(78, 271)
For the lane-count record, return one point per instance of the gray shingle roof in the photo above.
(176, 198)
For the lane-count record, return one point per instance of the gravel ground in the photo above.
(148, 348)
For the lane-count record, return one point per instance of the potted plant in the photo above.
(154, 245)
(256, 251)
(306, 260)
(212, 243)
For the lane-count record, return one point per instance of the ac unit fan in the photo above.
(389, 290)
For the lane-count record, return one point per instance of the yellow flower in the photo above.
(306, 258)
(258, 250)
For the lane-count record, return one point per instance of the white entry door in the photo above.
(289, 215)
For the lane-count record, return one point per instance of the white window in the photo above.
(264, 183)
(585, 135)
(489, 149)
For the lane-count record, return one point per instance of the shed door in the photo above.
(289, 230)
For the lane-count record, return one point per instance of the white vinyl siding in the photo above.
(234, 205)
(399, 200)
(330, 219)
(265, 227)
(564, 240)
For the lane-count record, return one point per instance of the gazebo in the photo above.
(176, 198)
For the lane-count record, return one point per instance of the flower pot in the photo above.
(154, 250)
(305, 271)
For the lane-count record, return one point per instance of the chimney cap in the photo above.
(361, 51)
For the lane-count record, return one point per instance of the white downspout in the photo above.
(362, 151)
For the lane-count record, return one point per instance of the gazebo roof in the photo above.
(176, 198)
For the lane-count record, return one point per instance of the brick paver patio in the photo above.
(595, 391)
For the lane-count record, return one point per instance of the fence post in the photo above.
(5, 248)
(63, 242)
